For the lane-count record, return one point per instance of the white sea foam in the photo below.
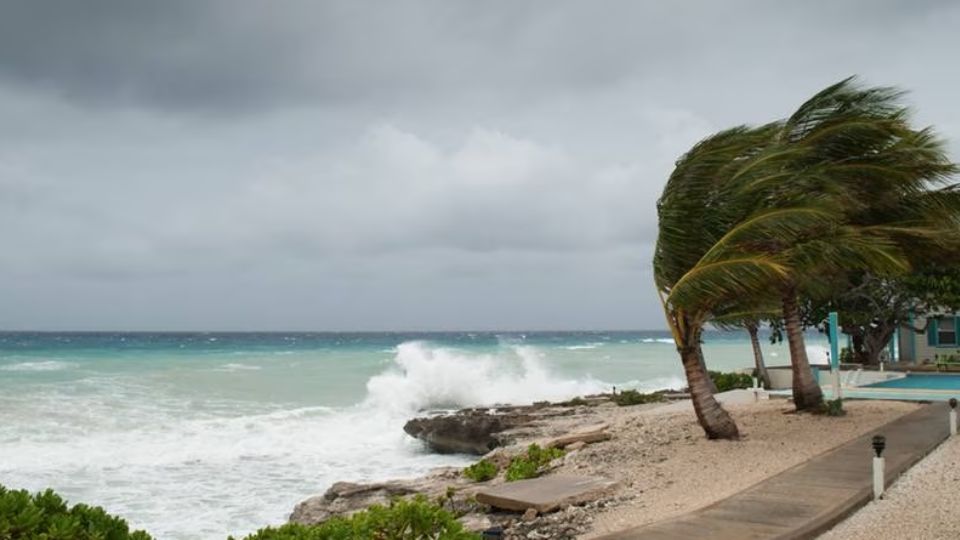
(657, 340)
(238, 367)
(426, 377)
(43, 365)
(659, 383)
(587, 346)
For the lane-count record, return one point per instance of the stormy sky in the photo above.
(370, 165)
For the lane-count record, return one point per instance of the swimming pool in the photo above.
(925, 381)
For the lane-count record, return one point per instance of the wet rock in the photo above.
(470, 431)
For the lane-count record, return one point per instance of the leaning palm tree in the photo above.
(699, 275)
(853, 147)
(754, 212)
(749, 318)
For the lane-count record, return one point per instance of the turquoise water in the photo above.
(199, 435)
(931, 382)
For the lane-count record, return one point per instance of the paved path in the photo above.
(808, 499)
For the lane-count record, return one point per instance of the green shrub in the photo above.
(46, 516)
(577, 401)
(846, 355)
(531, 464)
(481, 471)
(731, 381)
(633, 397)
(832, 407)
(404, 519)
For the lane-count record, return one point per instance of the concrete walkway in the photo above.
(810, 498)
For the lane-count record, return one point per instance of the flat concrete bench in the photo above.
(546, 494)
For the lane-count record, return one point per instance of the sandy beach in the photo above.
(667, 467)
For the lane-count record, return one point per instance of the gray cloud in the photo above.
(375, 165)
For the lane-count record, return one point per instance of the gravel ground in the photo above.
(924, 504)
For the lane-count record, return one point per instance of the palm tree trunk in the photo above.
(762, 374)
(806, 392)
(713, 418)
(703, 366)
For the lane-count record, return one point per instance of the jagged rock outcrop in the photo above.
(470, 431)
(345, 498)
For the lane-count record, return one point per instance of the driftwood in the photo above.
(594, 434)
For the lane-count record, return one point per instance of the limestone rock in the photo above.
(470, 431)
(345, 498)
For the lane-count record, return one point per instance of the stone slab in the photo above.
(547, 493)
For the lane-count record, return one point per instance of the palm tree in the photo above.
(753, 328)
(695, 278)
(751, 213)
(854, 148)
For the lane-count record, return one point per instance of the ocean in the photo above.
(201, 435)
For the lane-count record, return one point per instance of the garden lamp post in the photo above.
(879, 443)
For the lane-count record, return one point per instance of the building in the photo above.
(942, 338)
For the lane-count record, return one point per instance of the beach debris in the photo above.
(588, 435)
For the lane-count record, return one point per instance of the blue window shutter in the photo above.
(932, 333)
(956, 330)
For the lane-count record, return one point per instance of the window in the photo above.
(946, 331)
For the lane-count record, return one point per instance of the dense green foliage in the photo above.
(532, 463)
(46, 516)
(404, 519)
(633, 397)
(730, 381)
(481, 471)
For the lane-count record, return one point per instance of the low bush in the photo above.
(833, 407)
(481, 471)
(575, 402)
(633, 397)
(404, 519)
(532, 463)
(731, 381)
(46, 516)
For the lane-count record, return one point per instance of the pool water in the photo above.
(930, 382)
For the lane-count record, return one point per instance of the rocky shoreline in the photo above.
(495, 434)
(647, 449)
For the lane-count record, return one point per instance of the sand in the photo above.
(668, 467)
(921, 505)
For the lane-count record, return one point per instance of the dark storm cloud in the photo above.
(217, 55)
(240, 164)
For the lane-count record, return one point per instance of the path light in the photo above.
(879, 443)
(953, 416)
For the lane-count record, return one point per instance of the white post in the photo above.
(836, 385)
(879, 442)
(877, 477)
